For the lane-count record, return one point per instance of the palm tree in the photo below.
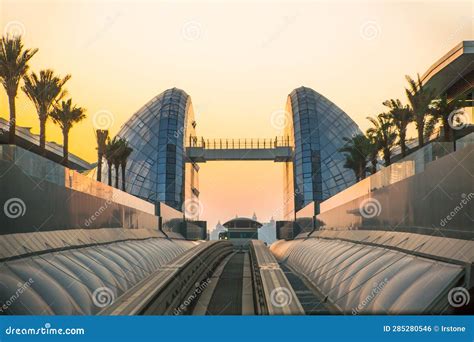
(110, 152)
(102, 136)
(384, 134)
(373, 151)
(13, 66)
(356, 150)
(420, 99)
(125, 151)
(116, 159)
(65, 115)
(44, 90)
(442, 108)
(401, 116)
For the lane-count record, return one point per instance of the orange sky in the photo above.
(237, 60)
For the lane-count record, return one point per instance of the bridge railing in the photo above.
(237, 144)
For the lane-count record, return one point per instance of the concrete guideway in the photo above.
(213, 279)
(249, 283)
(164, 291)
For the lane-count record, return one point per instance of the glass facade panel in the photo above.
(316, 127)
(158, 134)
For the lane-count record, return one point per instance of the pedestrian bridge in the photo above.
(201, 150)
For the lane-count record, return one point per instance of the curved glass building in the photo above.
(158, 169)
(316, 127)
(158, 133)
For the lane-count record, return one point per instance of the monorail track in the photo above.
(214, 279)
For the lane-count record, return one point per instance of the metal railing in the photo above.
(237, 144)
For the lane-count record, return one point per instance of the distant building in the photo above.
(241, 230)
(266, 233)
(214, 234)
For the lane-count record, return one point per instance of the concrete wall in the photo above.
(438, 201)
(33, 199)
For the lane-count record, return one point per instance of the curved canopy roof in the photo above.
(453, 72)
(357, 278)
(242, 222)
(82, 281)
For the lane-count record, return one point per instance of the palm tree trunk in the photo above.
(43, 136)
(421, 130)
(109, 173)
(12, 132)
(99, 165)
(403, 144)
(386, 157)
(356, 173)
(361, 172)
(374, 165)
(447, 130)
(123, 176)
(117, 176)
(65, 148)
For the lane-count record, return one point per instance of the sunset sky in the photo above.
(237, 60)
